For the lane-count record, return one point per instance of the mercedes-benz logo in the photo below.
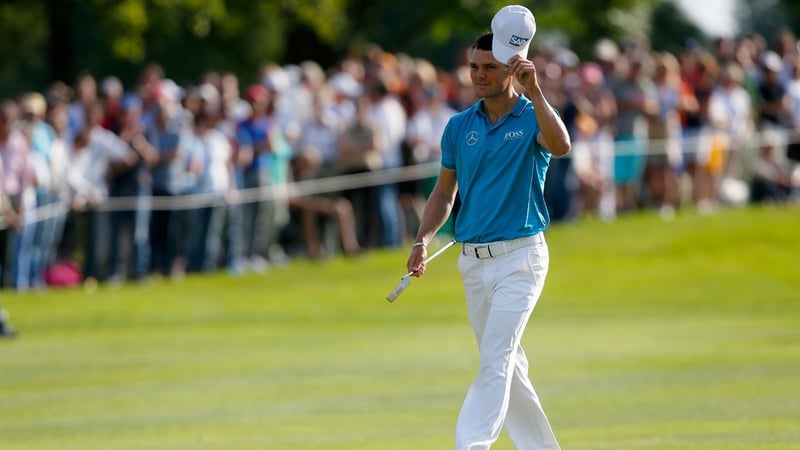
(472, 138)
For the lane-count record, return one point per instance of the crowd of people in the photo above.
(105, 183)
(702, 128)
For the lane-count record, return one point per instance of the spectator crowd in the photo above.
(105, 183)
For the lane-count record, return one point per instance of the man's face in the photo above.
(489, 76)
(8, 116)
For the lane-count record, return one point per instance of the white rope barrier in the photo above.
(345, 182)
(193, 201)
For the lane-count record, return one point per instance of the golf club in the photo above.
(406, 279)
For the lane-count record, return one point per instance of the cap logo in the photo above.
(518, 41)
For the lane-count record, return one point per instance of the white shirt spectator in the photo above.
(217, 153)
(793, 91)
(87, 171)
(426, 127)
(321, 136)
(390, 117)
(14, 164)
(729, 111)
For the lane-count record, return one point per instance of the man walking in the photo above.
(495, 155)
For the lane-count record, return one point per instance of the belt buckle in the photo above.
(483, 252)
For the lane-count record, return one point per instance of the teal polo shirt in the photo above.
(501, 170)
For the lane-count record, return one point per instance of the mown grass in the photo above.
(649, 335)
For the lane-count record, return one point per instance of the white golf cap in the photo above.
(772, 61)
(513, 28)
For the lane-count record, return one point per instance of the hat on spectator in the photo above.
(111, 86)
(257, 93)
(591, 73)
(59, 92)
(345, 84)
(278, 79)
(606, 50)
(772, 61)
(34, 103)
(513, 27)
(209, 93)
(566, 58)
(170, 91)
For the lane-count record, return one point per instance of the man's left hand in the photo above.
(524, 71)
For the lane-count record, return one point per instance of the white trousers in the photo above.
(501, 292)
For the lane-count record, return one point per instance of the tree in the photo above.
(435, 29)
(768, 17)
(46, 40)
(186, 36)
(671, 28)
(585, 21)
(23, 41)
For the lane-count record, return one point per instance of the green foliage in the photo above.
(323, 16)
(671, 28)
(126, 21)
(649, 335)
(768, 17)
(792, 10)
(23, 36)
(45, 40)
(583, 21)
(416, 25)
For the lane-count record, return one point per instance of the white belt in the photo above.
(492, 249)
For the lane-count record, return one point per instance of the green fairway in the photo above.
(649, 335)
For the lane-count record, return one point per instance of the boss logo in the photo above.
(511, 135)
(518, 41)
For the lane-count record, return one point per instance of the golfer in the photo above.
(495, 155)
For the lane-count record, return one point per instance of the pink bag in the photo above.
(63, 273)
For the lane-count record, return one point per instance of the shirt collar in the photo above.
(522, 103)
